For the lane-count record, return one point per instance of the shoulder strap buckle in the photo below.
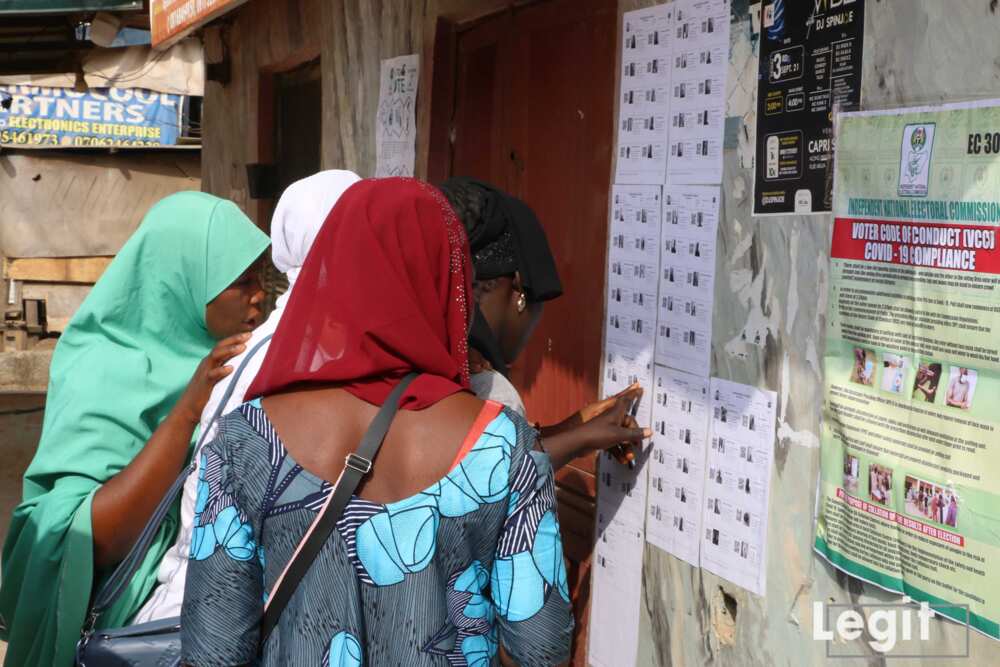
(358, 463)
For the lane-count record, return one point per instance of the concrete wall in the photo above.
(773, 281)
(772, 272)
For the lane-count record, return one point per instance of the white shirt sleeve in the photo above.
(492, 386)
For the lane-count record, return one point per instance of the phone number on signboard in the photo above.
(51, 139)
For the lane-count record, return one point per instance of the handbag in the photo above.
(158, 642)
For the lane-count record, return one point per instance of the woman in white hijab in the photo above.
(300, 213)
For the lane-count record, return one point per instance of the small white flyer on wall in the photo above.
(699, 68)
(676, 464)
(687, 277)
(644, 107)
(396, 123)
(738, 483)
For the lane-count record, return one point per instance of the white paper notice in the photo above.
(621, 492)
(617, 590)
(699, 64)
(396, 125)
(644, 107)
(633, 268)
(687, 277)
(738, 484)
(633, 263)
(616, 570)
(677, 463)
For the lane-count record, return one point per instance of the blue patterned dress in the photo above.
(439, 578)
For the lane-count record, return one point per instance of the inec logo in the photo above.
(915, 159)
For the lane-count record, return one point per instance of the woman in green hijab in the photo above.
(128, 381)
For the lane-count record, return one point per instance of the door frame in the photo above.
(267, 120)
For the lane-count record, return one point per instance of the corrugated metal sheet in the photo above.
(179, 70)
(58, 205)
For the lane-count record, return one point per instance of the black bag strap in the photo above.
(356, 466)
(116, 584)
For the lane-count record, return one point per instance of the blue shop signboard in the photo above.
(37, 117)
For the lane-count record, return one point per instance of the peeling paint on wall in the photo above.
(770, 323)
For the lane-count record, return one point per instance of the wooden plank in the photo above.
(579, 481)
(84, 204)
(576, 520)
(85, 270)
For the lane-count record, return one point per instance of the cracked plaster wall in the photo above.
(769, 329)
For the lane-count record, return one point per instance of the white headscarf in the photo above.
(299, 215)
(297, 219)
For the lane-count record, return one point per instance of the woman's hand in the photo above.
(123, 505)
(588, 412)
(600, 407)
(211, 369)
(612, 427)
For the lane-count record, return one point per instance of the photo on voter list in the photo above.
(961, 387)
(894, 370)
(931, 501)
(879, 483)
(863, 370)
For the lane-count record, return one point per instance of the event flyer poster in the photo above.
(810, 67)
(395, 123)
(910, 473)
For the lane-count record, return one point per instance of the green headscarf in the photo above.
(122, 363)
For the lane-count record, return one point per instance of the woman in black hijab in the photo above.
(515, 274)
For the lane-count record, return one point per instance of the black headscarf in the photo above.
(505, 237)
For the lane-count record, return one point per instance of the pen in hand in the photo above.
(632, 412)
(620, 449)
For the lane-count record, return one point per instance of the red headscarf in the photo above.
(385, 290)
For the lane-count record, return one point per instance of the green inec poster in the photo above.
(910, 463)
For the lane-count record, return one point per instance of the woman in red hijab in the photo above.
(450, 546)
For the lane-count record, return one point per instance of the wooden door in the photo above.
(290, 117)
(298, 114)
(530, 109)
(479, 132)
